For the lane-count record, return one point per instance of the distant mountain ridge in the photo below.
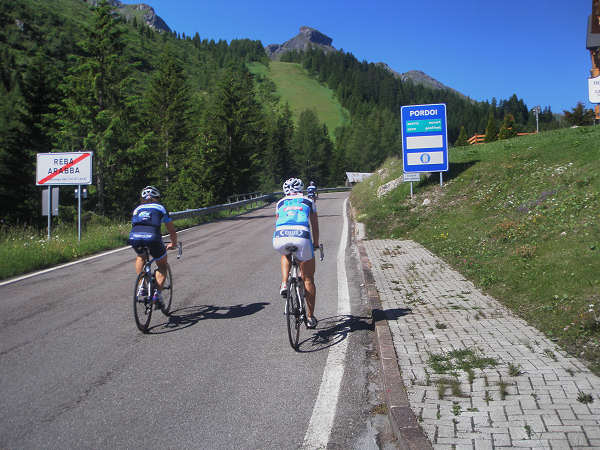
(144, 12)
(311, 38)
(420, 77)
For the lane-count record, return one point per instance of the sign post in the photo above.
(425, 138)
(412, 176)
(65, 169)
(594, 93)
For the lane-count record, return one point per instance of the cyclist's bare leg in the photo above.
(139, 263)
(161, 273)
(308, 274)
(285, 268)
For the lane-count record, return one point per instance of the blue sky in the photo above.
(484, 49)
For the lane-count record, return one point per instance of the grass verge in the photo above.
(520, 218)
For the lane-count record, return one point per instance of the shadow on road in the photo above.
(186, 317)
(390, 314)
(333, 330)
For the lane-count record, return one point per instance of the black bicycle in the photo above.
(145, 284)
(295, 303)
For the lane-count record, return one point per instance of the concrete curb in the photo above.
(403, 420)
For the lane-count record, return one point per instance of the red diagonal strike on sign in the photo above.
(62, 169)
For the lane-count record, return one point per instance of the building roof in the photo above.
(357, 177)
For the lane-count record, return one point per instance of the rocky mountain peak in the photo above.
(306, 39)
(148, 15)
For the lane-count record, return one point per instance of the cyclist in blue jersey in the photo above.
(145, 232)
(311, 191)
(298, 225)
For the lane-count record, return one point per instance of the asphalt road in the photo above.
(76, 373)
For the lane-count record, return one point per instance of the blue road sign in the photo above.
(424, 138)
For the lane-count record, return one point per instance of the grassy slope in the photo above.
(302, 92)
(520, 218)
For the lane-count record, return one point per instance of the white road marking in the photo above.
(51, 269)
(89, 258)
(321, 421)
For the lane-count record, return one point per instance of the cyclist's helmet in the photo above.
(293, 186)
(312, 183)
(150, 192)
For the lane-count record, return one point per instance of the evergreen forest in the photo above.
(184, 113)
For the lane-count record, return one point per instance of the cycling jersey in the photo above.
(145, 231)
(293, 226)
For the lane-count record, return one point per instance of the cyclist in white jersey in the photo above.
(298, 225)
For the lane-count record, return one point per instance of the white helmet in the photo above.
(293, 186)
(150, 192)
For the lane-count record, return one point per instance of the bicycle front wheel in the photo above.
(292, 313)
(142, 301)
(167, 293)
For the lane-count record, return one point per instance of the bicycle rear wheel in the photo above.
(167, 293)
(292, 313)
(142, 301)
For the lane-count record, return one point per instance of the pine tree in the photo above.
(167, 112)
(462, 140)
(276, 165)
(312, 149)
(94, 115)
(17, 162)
(579, 115)
(507, 130)
(232, 144)
(491, 130)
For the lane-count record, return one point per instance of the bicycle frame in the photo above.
(143, 301)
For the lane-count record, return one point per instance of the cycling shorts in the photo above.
(140, 238)
(298, 237)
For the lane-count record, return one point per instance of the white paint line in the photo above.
(51, 269)
(321, 421)
(62, 266)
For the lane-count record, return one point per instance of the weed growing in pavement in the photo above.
(582, 397)
(381, 408)
(514, 370)
(488, 397)
(550, 354)
(503, 385)
(443, 384)
(533, 245)
(456, 409)
(528, 431)
(455, 360)
(440, 325)
(470, 375)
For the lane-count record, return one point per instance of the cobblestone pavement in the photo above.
(526, 392)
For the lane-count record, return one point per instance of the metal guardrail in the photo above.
(255, 197)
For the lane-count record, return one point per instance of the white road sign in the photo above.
(594, 87)
(64, 168)
(412, 176)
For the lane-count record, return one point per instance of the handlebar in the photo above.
(179, 248)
